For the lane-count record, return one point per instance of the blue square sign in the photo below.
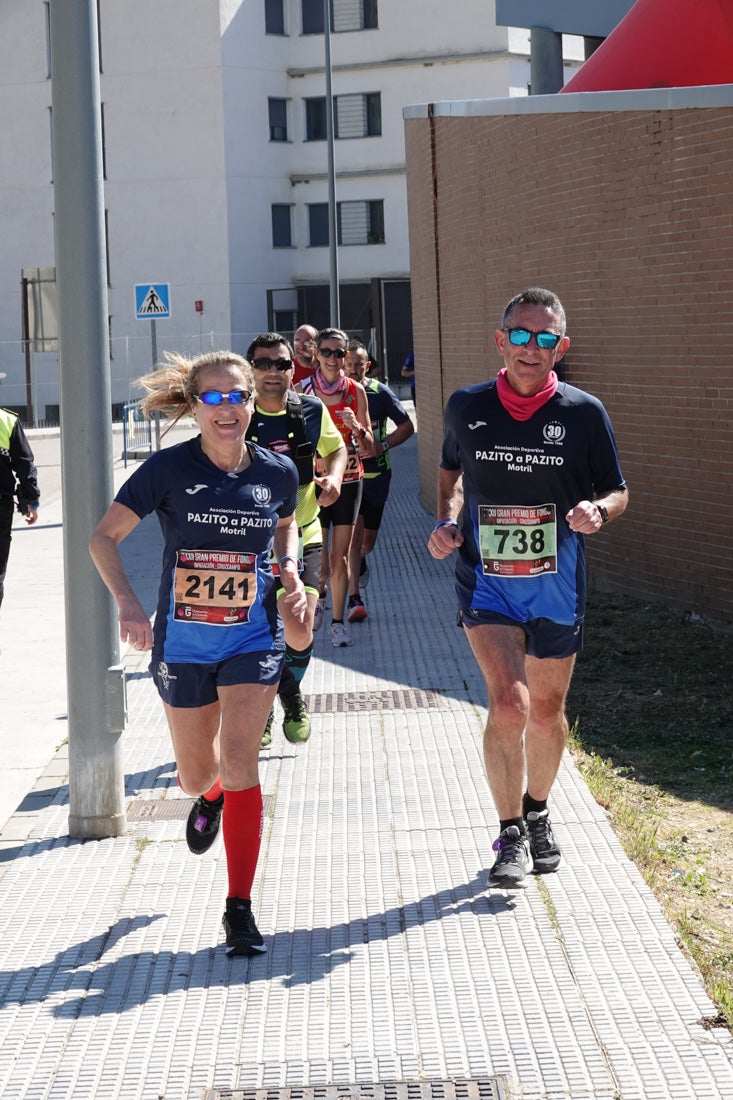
(152, 300)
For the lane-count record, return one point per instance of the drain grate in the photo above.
(480, 1088)
(359, 701)
(168, 809)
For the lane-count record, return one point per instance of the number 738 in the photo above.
(534, 544)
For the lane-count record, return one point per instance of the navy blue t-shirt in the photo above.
(520, 479)
(216, 595)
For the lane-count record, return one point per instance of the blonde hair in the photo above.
(172, 388)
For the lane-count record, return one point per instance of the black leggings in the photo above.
(7, 507)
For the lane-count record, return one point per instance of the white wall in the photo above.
(26, 226)
(166, 188)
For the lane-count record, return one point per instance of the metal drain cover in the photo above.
(354, 701)
(480, 1088)
(168, 809)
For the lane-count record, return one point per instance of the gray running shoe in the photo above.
(340, 635)
(513, 860)
(546, 854)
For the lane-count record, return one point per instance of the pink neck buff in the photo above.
(330, 387)
(521, 408)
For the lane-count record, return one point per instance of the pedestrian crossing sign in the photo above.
(152, 300)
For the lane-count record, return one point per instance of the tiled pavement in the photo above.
(389, 963)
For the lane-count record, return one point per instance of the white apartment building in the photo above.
(215, 165)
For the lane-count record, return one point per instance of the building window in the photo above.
(359, 222)
(285, 320)
(50, 135)
(315, 118)
(274, 17)
(355, 116)
(282, 236)
(318, 224)
(99, 36)
(106, 245)
(104, 143)
(312, 16)
(358, 115)
(346, 15)
(353, 15)
(277, 110)
(47, 13)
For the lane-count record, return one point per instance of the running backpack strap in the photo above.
(300, 445)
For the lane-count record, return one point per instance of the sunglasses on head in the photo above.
(332, 353)
(520, 337)
(267, 364)
(215, 397)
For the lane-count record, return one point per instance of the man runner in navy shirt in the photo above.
(532, 465)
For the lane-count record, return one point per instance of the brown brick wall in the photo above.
(628, 216)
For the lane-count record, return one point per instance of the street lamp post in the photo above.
(332, 208)
(95, 680)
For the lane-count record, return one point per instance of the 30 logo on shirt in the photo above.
(554, 432)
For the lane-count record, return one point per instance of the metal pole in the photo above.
(27, 350)
(332, 207)
(95, 687)
(545, 61)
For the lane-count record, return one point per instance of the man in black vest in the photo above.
(298, 426)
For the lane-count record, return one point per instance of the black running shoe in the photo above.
(202, 826)
(546, 854)
(514, 860)
(241, 930)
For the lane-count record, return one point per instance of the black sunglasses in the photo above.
(332, 353)
(267, 364)
(520, 337)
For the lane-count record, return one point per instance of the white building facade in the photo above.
(215, 165)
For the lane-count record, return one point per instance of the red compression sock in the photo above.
(215, 792)
(242, 830)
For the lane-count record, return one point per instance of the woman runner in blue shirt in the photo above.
(217, 645)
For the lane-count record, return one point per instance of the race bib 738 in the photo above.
(518, 540)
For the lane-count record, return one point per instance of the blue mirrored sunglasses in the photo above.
(215, 397)
(520, 337)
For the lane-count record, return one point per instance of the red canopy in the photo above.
(663, 44)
